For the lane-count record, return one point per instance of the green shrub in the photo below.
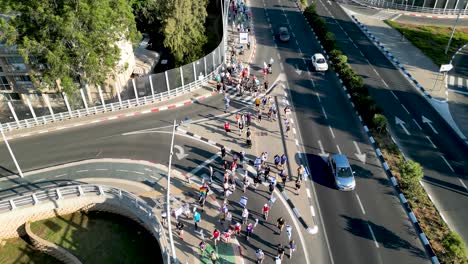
(329, 41)
(338, 59)
(356, 83)
(455, 248)
(379, 122)
(411, 173)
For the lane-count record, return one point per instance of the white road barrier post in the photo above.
(135, 90)
(32, 110)
(14, 113)
(151, 85)
(84, 100)
(102, 98)
(46, 98)
(11, 153)
(67, 104)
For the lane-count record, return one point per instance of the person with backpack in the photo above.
(276, 160)
(280, 224)
(298, 185)
(292, 247)
(260, 256)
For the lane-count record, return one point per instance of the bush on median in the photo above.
(455, 248)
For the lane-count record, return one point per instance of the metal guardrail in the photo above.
(411, 8)
(159, 97)
(143, 210)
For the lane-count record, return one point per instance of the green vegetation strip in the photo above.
(100, 238)
(17, 250)
(447, 245)
(432, 40)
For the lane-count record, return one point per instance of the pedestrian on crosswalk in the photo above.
(292, 247)
(215, 236)
(280, 250)
(265, 211)
(180, 228)
(289, 231)
(283, 176)
(241, 128)
(196, 219)
(298, 185)
(280, 224)
(223, 152)
(245, 182)
(249, 230)
(276, 160)
(227, 127)
(283, 160)
(300, 172)
(249, 119)
(245, 215)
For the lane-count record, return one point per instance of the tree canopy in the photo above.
(66, 41)
(181, 22)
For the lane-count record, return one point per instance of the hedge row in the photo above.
(450, 247)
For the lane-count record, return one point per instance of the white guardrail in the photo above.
(411, 8)
(141, 209)
(159, 97)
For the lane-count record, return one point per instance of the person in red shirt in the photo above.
(227, 127)
(215, 236)
(265, 210)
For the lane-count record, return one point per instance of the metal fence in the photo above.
(140, 91)
(139, 207)
(421, 6)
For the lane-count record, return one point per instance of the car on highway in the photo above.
(318, 62)
(342, 172)
(283, 34)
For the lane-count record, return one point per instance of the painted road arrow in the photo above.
(181, 152)
(361, 156)
(401, 123)
(429, 123)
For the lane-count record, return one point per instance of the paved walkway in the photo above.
(412, 62)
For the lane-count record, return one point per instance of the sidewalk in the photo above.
(182, 193)
(418, 68)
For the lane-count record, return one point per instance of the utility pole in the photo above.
(453, 29)
(168, 205)
(11, 152)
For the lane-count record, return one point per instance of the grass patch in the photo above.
(432, 40)
(17, 250)
(97, 237)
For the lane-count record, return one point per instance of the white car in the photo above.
(319, 63)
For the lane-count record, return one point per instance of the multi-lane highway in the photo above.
(364, 226)
(367, 225)
(423, 136)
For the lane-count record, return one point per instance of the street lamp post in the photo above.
(168, 205)
(11, 153)
(453, 29)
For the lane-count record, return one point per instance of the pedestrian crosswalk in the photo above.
(247, 98)
(457, 81)
(384, 15)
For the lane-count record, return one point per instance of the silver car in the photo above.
(283, 34)
(342, 172)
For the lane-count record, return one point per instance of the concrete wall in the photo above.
(50, 248)
(83, 198)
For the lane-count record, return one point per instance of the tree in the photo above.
(67, 42)
(184, 29)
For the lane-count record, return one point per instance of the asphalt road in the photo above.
(429, 140)
(364, 226)
(351, 220)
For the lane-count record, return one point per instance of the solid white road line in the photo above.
(81, 170)
(428, 138)
(338, 147)
(360, 204)
(373, 236)
(308, 192)
(394, 95)
(60, 175)
(281, 66)
(279, 56)
(101, 169)
(448, 164)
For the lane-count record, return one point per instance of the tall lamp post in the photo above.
(11, 153)
(168, 205)
(453, 29)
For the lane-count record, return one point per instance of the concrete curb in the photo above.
(422, 236)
